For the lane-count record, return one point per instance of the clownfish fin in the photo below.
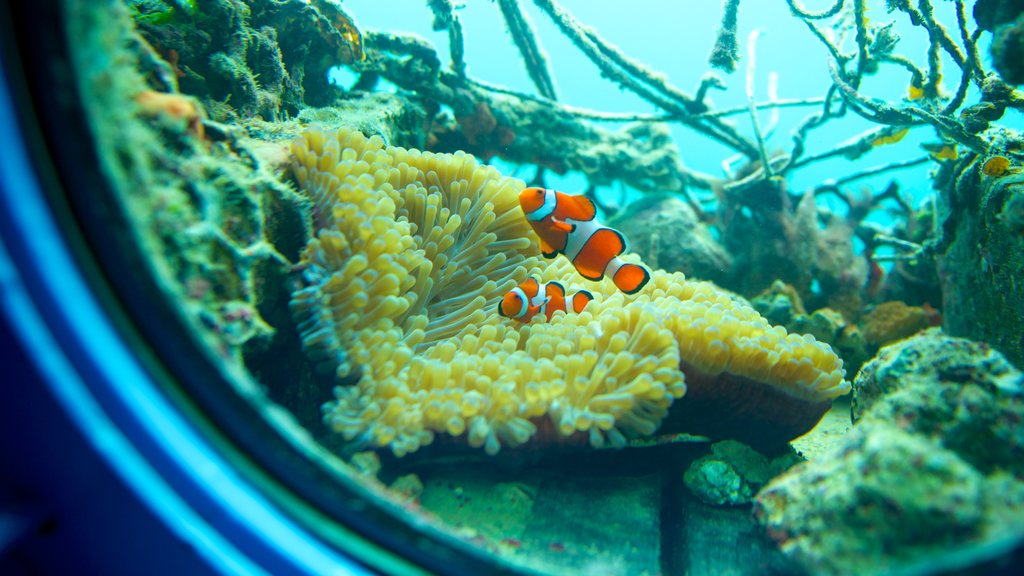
(546, 250)
(555, 288)
(576, 207)
(603, 245)
(531, 286)
(630, 278)
(580, 300)
(561, 226)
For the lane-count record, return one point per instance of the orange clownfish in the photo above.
(531, 298)
(566, 225)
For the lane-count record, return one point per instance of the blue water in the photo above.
(675, 37)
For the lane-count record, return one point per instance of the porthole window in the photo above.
(308, 286)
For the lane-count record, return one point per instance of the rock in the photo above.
(981, 261)
(963, 394)
(825, 324)
(366, 463)
(1004, 19)
(853, 348)
(780, 303)
(665, 231)
(892, 321)
(881, 501)
(733, 473)
(408, 487)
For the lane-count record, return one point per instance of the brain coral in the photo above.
(412, 253)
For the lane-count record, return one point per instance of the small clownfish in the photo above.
(531, 297)
(566, 224)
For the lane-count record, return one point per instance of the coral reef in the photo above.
(245, 59)
(733, 473)
(962, 394)
(933, 462)
(666, 233)
(214, 220)
(1005, 19)
(981, 257)
(413, 250)
(892, 321)
(881, 501)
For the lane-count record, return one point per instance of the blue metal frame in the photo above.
(129, 427)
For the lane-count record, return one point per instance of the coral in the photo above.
(963, 394)
(733, 473)
(725, 53)
(1003, 18)
(173, 108)
(666, 233)
(892, 321)
(780, 303)
(825, 324)
(412, 253)
(934, 460)
(212, 221)
(244, 59)
(880, 501)
(981, 257)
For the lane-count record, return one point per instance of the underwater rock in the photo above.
(884, 499)
(779, 303)
(244, 59)
(981, 258)
(892, 321)
(665, 231)
(1005, 19)
(853, 348)
(733, 473)
(825, 324)
(962, 394)
(399, 120)
(213, 220)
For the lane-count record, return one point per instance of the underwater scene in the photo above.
(599, 287)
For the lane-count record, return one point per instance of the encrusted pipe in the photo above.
(525, 37)
(725, 53)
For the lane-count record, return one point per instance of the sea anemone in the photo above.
(413, 250)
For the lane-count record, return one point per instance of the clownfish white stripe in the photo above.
(613, 266)
(578, 239)
(522, 298)
(545, 209)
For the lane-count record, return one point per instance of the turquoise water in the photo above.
(675, 38)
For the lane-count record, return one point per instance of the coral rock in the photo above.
(882, 500)
(733, 473)
(892, 321)
(964, 394)
(666, 232)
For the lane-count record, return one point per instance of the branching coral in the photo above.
(412, 254)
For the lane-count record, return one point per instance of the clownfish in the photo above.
(531, 297)
(566, 225)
